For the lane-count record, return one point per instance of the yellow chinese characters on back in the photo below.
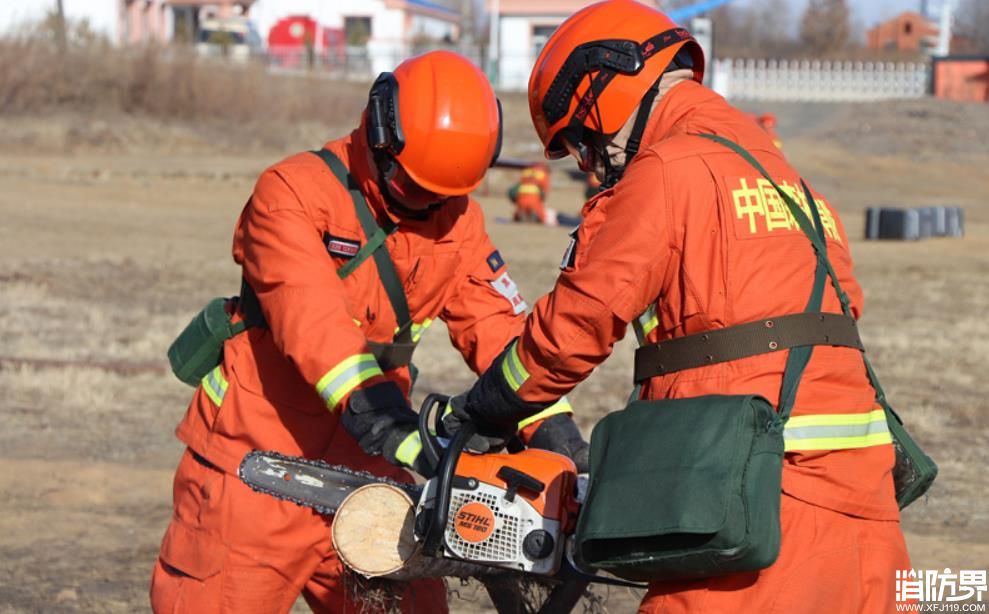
(759, 211)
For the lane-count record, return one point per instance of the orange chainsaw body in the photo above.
(556, 472)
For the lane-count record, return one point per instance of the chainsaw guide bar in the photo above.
(309, 483)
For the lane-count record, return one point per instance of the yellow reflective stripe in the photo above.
(838, 443)
(836, 431)
(875, 415)
(215, 385)
(418, 329)
(528, 188)
(560, 407)
(513, 370)
(347, 375)
(409, 449)
(649, 320)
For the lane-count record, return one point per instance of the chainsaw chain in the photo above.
(413, 490)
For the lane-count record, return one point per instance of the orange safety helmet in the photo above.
(599, 65)
(438, 117)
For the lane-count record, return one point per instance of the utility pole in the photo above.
(944, 29)
(60, 27)
(493, 17)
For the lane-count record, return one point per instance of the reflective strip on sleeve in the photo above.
(409, 449)
(836, 431)
(513, 369)
(215, 385)
(560, 407)
(343, 378)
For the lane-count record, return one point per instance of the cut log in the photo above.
(373, 535)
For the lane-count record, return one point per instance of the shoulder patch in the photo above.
(495, 261)
(506, 287)
(341, 247)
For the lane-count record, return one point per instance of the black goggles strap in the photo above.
(582, 61)
(645, 107)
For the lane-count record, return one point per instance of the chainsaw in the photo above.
(513, 511)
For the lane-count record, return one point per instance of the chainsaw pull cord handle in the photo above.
(430, 447)
(433, 540)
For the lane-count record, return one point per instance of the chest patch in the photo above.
(340, 247)
(505, 286)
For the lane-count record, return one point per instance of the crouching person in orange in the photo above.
(326, 373)
(687, 240)
(529, 195)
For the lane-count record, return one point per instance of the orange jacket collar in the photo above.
(680, 111)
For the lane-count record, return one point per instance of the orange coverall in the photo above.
(693, 239)
(231, 549)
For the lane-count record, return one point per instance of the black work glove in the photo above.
(376, 414)
(559, 433)
(485, 440)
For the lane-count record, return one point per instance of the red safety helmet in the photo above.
(437, 116)
(598, 66)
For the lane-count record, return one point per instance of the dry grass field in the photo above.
(114, 230)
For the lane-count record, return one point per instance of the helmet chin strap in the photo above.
(613, 173)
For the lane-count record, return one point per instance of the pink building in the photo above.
(161, 21)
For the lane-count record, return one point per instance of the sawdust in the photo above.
(375, 595)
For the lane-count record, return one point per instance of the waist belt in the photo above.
(389, 355)
(744, 340)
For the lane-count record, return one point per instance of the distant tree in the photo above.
(758, 30)
(825, 27)
(972, 23)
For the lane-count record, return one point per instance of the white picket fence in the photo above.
(819, 80)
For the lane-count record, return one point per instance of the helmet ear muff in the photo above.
(384, 129)
(684, 58)
(501, 131)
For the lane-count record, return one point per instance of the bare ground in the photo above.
(106, 252)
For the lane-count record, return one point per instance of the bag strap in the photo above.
(375, 246)
(820, 247)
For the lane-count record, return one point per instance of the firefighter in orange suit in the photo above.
(529, 195)
(309, 383)
(686, 238)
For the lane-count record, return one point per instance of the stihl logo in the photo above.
(474, 522)
(478, 521)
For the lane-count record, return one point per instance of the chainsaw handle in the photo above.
(430, 447)
(433, 540)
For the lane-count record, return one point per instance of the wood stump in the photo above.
(373, 535)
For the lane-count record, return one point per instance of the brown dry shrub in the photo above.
(93, 79)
